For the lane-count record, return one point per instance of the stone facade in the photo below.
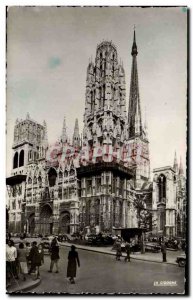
(91, 184)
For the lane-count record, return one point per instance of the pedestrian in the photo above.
(163, 250)
(8, 269)
(22, 259)
(11, 259)
(54, 255)
(73, 260)
(128, 251)
(33, 257)
(39, 260)
(118, 250)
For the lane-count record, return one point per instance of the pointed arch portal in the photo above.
(46, 220)
(65, 222)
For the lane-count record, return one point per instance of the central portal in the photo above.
(65, 222)
(46, 221)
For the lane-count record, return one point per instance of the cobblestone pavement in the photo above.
(101, 273)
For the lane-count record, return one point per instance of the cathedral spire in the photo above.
(181, 171)
(76, 135)
(175, 167)
(64, 138)
(45, 137)
(134, 100)
(134, 47)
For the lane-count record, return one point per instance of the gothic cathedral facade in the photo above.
(94, 183)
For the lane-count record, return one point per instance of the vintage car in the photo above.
(152, 247)
(181, 260)
(99, 239)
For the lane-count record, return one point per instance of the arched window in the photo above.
(162, 188)
(113, 64)
(30, 155)
(21, 158)
(103, 96)
(52, 177)
(72, 173)
(40, 180)
(15, 160)
(66, 174)
(60, 176)
(35, 180)
(91, 100)
(100, 93)
(29, 180)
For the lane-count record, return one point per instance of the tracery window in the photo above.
(162, 188)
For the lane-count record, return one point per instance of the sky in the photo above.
(48, 51)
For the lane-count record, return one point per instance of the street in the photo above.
(101, 273)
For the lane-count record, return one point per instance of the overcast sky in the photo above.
(48, 51)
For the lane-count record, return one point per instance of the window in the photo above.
(65, 193)
(60, 192)
(15, 160)
(60, 176)
(162, 188)
(52, 177)
(66, 174)
(21, 158)
(35, 180)
(72, 172)
(98, 184)
(89, 186)
(29, 180)
(40, 180)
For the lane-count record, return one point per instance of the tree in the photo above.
(143, 214)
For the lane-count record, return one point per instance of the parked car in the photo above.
(181, 260)
(62, 238)
(172, 244)
(152, 247)
(99, 239)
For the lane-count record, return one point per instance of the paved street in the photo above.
(101, 273)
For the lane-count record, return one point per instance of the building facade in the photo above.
(93, 183)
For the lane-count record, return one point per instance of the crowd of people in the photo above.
(26, 260)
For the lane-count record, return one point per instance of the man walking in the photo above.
(128, 251)
(163, 250)
(33, 257)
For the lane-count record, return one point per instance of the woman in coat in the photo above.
(54, 255)
(118, 250)
(39, 259)
(73, 260)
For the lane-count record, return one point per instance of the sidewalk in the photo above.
(19, 286)
(148, 256)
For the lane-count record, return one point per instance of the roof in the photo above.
(109, 166)
(16, 179)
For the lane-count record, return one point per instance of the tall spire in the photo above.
(175, 167)
(134, 47)
(181, 171)
(76, 135)
(45, 138)
(134, 100)
(64, 138)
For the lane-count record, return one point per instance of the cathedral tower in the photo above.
(76, 135)
(105, 108)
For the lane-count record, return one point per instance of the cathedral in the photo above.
(98, 181)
